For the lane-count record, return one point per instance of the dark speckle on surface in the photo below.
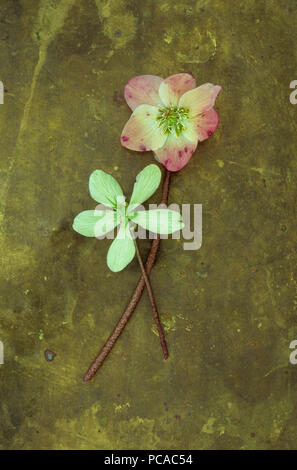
(118, 98)
(49, 355)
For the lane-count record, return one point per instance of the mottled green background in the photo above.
(229, 308)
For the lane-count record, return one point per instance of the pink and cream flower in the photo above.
(169, 117)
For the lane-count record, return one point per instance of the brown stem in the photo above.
(97, 363)
(153, 303)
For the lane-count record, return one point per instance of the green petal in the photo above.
(104, 188)
(162, 221)
(95, 223)
(121, 251)
(147, 181)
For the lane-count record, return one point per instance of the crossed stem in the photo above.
(136, 296)
(153, 303)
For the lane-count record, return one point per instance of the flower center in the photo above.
(121, 209)
(172, 118)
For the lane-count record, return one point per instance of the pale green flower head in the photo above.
(96, 223)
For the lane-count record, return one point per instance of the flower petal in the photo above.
(107, 222)
(143, 89)
(141, 132)
(163, 221)
(104, 188)
(95, 223)
(121, 251)
(176, 152)
(147, 181)
(203, 126)
(201, 99)
(174, 87)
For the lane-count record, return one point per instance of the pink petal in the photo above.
(201, 99)
(141, 132)
(176, 152)
(202, 126)
(174, 87)
(143, 89)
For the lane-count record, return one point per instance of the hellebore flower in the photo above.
(97, 223)
(169, 117)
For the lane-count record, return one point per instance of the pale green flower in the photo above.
(106, 190)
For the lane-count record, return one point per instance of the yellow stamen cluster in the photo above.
(172, 118)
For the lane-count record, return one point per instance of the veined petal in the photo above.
(104, 188)
(176, 152)
(174, 87)
(95, 223)
(201, 99)
(202, 126)
(121, 251)
(162, 221)
(147, 181)
(143, 89)
(141, 132)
